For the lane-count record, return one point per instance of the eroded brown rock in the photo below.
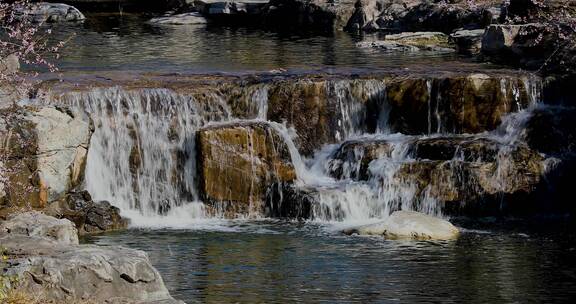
(238, 162)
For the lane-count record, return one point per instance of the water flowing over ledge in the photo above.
(143, 154)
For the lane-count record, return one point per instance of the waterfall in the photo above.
(142, 154)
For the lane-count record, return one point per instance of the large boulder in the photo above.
(45, 260)
(409, 225)
(44, 154)
(9, 92)
(239, 162)
(65, 273)
(36, 224)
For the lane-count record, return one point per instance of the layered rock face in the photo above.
(239, 162)
(43, 253)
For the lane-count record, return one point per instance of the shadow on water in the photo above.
(280, 262)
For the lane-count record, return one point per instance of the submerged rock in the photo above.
(239, 162)
(410, 225)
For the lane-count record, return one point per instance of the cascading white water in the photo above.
(142, 154)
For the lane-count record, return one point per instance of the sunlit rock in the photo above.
(410, 225)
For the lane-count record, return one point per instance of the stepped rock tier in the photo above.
(329, 146)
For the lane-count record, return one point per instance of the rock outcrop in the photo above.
(239, 162)
(410, 225)
(44, 255)
(44, 154)
(457, 104)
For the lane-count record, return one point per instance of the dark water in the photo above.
(277, 262)
(127, 42)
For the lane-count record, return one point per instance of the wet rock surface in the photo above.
(448, 169)
(238, 162)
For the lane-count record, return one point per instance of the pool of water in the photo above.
(288, 262)
(127, 42)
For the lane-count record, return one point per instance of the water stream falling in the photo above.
(142, 153)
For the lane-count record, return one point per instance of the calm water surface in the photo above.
(280, 262)
(127, 42)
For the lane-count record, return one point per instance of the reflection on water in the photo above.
(127, 43)
(277, 262)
